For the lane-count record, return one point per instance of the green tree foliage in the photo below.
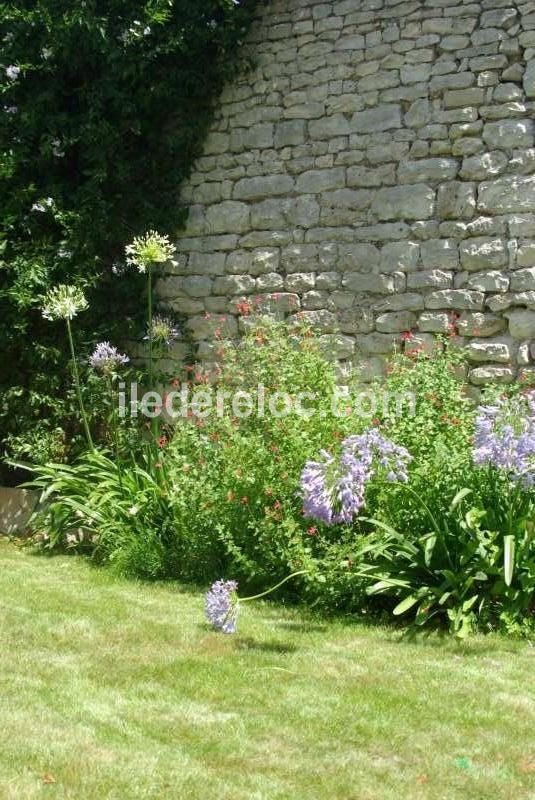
(103, 108)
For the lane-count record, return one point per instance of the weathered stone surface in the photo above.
(507, 194)
(458, 299)
(399, 256)
(419, 114)
(456, 200)
(337, 346)
(234, 284)
(427, 169)
(356, 320)
(376, 343)
(375, 284)
(490, 281)
(430, 279)
(464, 97)
(300, 282)
(509, 133)
(481, 375)
(480, 324)
(263, 186)
(434, 322)
(404, 202)
(525, 256)
(382, 118)
(228, 217)
(483, 253)
(523, 280)
(359, 257)
(443, 253)
(196, 286)
(485, 165)
(497, 350)
(529, 79)
(320, 180)
(395, 321)
(406, 301)
(521, 323)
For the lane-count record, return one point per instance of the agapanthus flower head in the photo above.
(505, 437)
(152, 248)
(163, 331)
(43, 205)
(12, 72)
(334, 488)
(63, 302)
(107, 359)
(222, 606)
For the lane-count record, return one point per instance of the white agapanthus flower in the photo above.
(12, 72)
(64, 302)
(152, 248)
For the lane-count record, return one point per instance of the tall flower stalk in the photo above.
(106, 359)
(65, 302)
(144, 253)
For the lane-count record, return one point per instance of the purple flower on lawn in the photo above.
(334, 489)
(107, 359)
(505, 437)
(222, 606)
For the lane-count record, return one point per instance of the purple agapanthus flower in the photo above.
(222, 606)
(107, 359)
(334, 489)
(505, 437)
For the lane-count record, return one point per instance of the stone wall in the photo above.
(375, 173)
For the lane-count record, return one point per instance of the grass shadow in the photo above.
(249, 643)
(302, 627)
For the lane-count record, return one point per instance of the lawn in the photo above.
(111, 689)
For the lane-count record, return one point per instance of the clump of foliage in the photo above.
(454, 544)
(425, 511)
(103, 108)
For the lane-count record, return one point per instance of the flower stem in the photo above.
(149, 320)
(273, 588)
(78, 387)
(115, 426)
(155, 421)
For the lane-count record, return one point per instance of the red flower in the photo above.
(312, 531)
(406, 336)
(162, 441)
(244, 308)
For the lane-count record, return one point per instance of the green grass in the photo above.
(110, 689)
